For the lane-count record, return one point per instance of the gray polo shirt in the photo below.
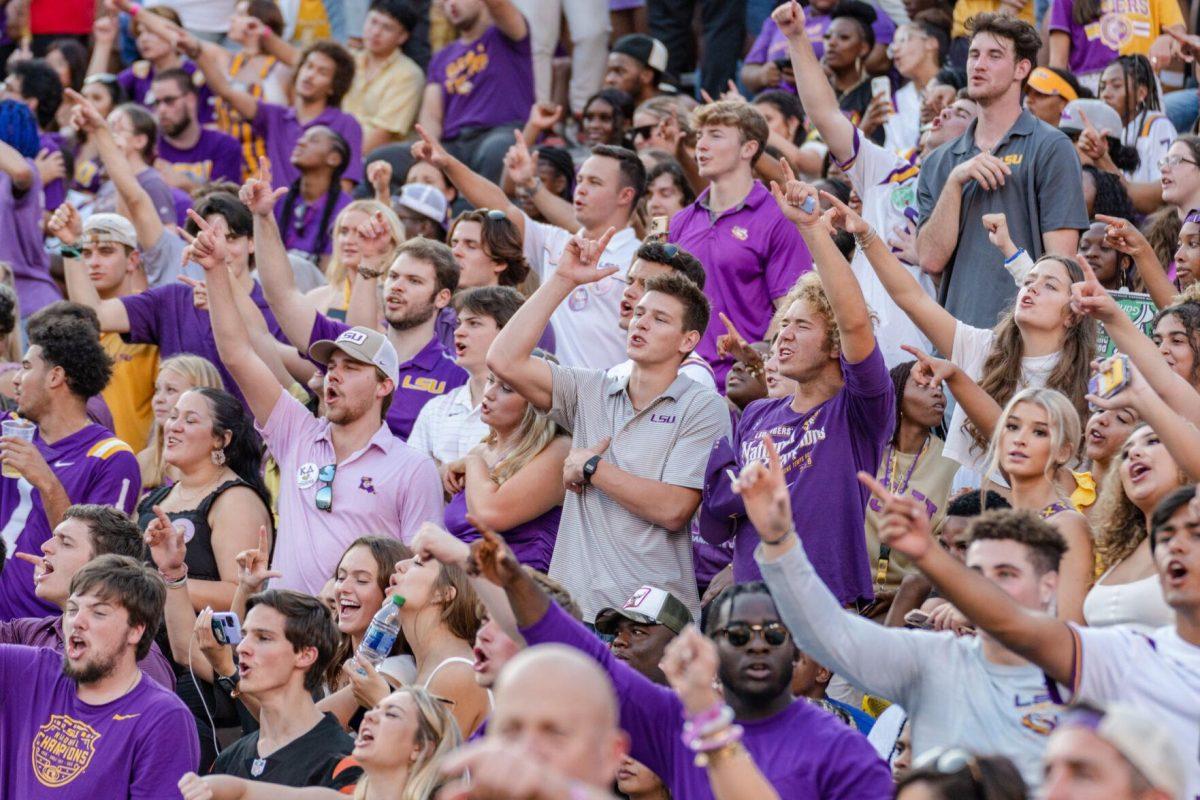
(605, 552)
(1043, 193)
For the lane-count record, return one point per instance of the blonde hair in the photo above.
(809, 289)
(534, 433)
(438, 734)
(1066, 430)
(335, 272)
(200, 372)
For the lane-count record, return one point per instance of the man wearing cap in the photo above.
(106, 245)
(636, 66)
(480, 85)
(1120, 753)
(643, 627)
(344, 475)
(422, 208)
(1047, 93)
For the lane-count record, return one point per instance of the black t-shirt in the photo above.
(311, 760)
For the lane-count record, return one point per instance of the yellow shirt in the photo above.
(965, 9)
(389, 99)
(131, 389)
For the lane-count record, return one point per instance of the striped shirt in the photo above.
(604, 551)
(448, 426)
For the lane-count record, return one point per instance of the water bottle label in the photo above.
(378, 639)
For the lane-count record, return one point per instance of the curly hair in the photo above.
(73, 343)
(1045, 544)
(343, 73)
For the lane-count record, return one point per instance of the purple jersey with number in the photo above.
(280, 129)
(822, 450)
(93, 467)
(426, 375)
(484, 83)
(57, 746)
(216, 156)
(167, 317)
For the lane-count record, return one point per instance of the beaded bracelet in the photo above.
(695, 731)
(706, 750)
(705, 716)
(865, 240)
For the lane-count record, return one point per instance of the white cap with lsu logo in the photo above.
(361, 344)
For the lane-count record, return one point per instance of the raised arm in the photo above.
(1089, 297)
(294, 312)
(508, 19)
(850, 311)
(208, 58)
(1042, 639)
(1122, 235)
(66, 225)
(253, 377)
(16, 167)
(104, 38)
(521, 166)
(812, 84)
(478, 190)
(511, 357)
(934, 321)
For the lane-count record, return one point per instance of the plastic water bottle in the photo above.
(381, 634)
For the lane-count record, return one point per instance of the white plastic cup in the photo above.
(22, 429)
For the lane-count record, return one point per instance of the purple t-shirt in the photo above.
(822, 450)
(817, 24)
(137, 78)
(280, 129)
(305, 227)
(751, 255)
(430, 372)
(771, 45)
(47, 632)
(54, 192)
(803, 751)
(93, 467)
(55, 745)
(216, 156)
(167, 317)
(532, 542)
(21, 244)
(485, 83)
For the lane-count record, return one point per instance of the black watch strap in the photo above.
(229, 682)
(589, 469)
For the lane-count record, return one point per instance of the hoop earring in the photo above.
(218, 457)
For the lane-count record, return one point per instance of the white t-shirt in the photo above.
(202, 16)
(902, 130)
(971, 348)
(1159, 673)
(448, 426)
(887, 185)
(1153, 137)
(693, 367)
(586, 329)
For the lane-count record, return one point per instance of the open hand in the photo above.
(985, 169)
(764, 491)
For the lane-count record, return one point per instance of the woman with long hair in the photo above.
(176, 375)
(1041, 342)
(512, 481)
(1180, 174)
(605, 118)
(439, 619)
(333, 300)
(400, 746)
(219, 497)
(912, 465)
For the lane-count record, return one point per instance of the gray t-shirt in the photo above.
(954, 696)
(1043, 193)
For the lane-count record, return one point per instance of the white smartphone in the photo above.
(881, 86)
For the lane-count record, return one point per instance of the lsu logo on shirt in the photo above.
(1012, 159)
(430, 385)
(62, 750)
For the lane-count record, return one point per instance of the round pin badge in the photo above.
(306, 475)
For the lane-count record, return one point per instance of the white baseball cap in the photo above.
(109, 228)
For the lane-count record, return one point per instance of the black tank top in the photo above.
(201, 561)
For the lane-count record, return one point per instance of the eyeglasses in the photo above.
(642, 131)
(739, 634)
(1174, 161)
(152, 102)
(950, 761)
(324, 495)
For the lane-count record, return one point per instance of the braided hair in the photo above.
(1138, 73)
(18, 128)
(331, 195)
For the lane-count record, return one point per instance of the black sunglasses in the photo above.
(642, 131)
(739, 634)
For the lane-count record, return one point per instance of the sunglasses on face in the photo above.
(739, 634)
(642, 131)
(324, 495)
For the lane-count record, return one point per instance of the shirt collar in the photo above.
(429, 356)
(383, 439)
(758, 193)
(1024, 126)
(674, 391)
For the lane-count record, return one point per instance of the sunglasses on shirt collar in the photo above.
(324, 496)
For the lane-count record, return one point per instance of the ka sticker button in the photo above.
(306, 475)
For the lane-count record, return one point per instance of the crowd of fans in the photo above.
(740, 399)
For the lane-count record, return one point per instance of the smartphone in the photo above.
(658, 226)
(226, 628)
(881, 86)
(918, 619)
(1112, 378)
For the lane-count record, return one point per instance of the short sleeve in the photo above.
(869, 386)
(1103, 657)
(929, 185)
(565, 393)
(705, 423)
(1060, 15)
(971, 346)
(1059, 184)
(421, 437)
(538, 239)
(789, 258)
(421, 500)
(147, 313)
(166, 751)
(288, 424)
(758, 50)
(118, 480)
(325, 328)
